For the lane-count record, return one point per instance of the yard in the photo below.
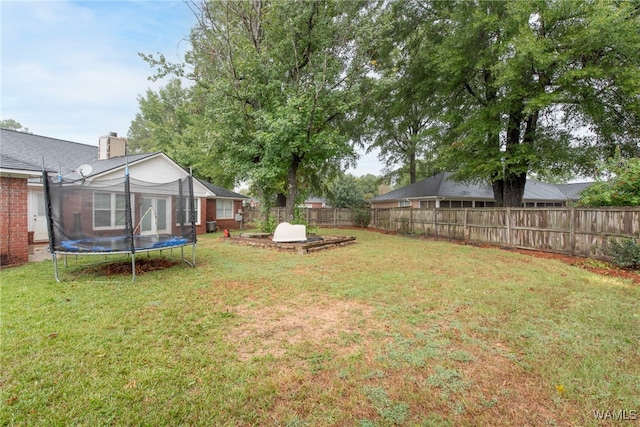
(389, 330)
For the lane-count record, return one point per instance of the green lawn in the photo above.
(387, 331)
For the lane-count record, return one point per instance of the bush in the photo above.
(624, 252)
(267, 226)
(362, 217)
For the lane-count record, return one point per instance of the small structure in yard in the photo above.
(286, 233)
(290, 240)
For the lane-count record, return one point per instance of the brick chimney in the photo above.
(111, 146)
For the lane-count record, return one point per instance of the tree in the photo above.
(368, 185)
(13, 125)
(170, 121)
(397, 112)
(618, 185)
(275, 84)
(513, 80)
(344, 192)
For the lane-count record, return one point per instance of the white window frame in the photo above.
(224, 209)
(196, 202)
(404, 203)
(112, 209)
(154, 212)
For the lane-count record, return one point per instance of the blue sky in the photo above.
(71, 69)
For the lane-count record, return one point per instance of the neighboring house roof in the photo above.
(222, 192)
(439, 185)
(572, 191)
(442, 186)
(313, 199)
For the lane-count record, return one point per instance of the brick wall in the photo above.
(14, 237)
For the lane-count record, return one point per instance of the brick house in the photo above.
(24, 155)
(14, 234)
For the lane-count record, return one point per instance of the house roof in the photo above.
(222, 192)
(27, 152)
(10, 163)
(101, 166)
(442, 186)
(56, 154)
(572, 191)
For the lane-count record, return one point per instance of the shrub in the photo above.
(362, 217)
(267, 226)
(624, 252)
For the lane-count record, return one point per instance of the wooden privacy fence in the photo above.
(568, 230)
(317, 217)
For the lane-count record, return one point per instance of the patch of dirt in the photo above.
(274, 329)
(499, 391)
(116, 268)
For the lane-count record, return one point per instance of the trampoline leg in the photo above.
(54, 258)
(193, 254)
(133, 267)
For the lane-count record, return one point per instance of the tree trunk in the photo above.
(508, 192)
(292, 187)
(412, 168)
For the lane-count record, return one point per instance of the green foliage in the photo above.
(622, 188)
(169, 121)
(362, 217)
(344, 192)
(624, 252)
(13, 125)
(268, 225)
(502, 83)
(275, 90)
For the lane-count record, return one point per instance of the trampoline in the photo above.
(119, 216)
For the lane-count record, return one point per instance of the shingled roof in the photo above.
(442, 186)
(27, 149)
(222, 192)
(26, 152)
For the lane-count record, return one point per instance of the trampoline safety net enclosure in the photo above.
(121, 215)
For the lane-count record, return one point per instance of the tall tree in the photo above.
(515, 80)
(397, 112)
(171, 120)
(274, 81)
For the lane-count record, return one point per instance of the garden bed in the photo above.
(313, 244)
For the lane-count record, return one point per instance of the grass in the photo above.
(387, 331)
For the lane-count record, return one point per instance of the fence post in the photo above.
(435, 221)
(410, 220)
(572, 231)
(507, 222)
(465, 225)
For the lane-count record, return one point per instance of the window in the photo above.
(404, 203)
(427, 203)
(224, 209)
(185, 210)
(109, 210)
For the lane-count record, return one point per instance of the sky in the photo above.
(71, 69)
